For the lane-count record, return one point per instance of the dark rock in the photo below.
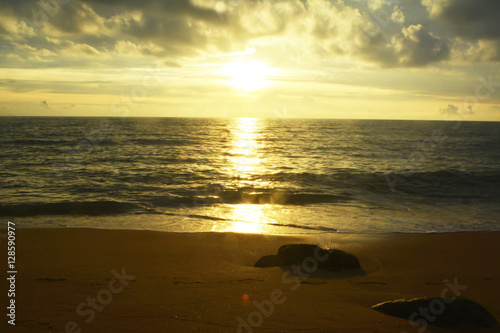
(269, 261)
(446, 312)
(295, 254)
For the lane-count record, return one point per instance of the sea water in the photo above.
(250, 175)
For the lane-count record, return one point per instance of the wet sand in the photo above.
(143, 281)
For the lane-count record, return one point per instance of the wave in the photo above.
(278, 197)
(96, 208)
(446, 183)
(36, 142)
(98, 142)
(342, 187)
(162, 142)
(451, 183)
(154, 204)
(69, 143)
(245, 196)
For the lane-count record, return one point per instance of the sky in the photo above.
(375, 59)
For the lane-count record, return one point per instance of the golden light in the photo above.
(252, 216)
(245, 161)
(247, 75)
(245, 156)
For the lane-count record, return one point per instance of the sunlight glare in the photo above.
(247, 75)
(245, 157)
(253, 217)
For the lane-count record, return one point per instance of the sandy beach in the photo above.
(85, 280)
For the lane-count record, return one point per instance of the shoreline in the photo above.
(182, 282)
(263, 233)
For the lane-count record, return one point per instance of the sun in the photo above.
(247, 75)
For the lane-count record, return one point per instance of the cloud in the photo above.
(126, 47)
(478, 19)
(417, 46)
(82, 32)
(476, 51)
(476, 23)
(378, 34)
(80, 49)
(177, 26)
(454, 110)
(71, 17)
(398, 15)
(177, 8)
(375, 4)
(414, 46)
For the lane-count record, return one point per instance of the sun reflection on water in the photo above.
(253, 218)
(246, 160)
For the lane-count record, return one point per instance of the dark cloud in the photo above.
(84, 32)
(172, 7)
(475, 23)
(384, 35)
(68, 17)
(415, 46)
(471, 18)
(166, 29)
(480, 51)
(72, 15)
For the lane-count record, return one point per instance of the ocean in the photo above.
(277, 176)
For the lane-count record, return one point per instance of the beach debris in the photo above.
(437, 311)
(295, 254)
